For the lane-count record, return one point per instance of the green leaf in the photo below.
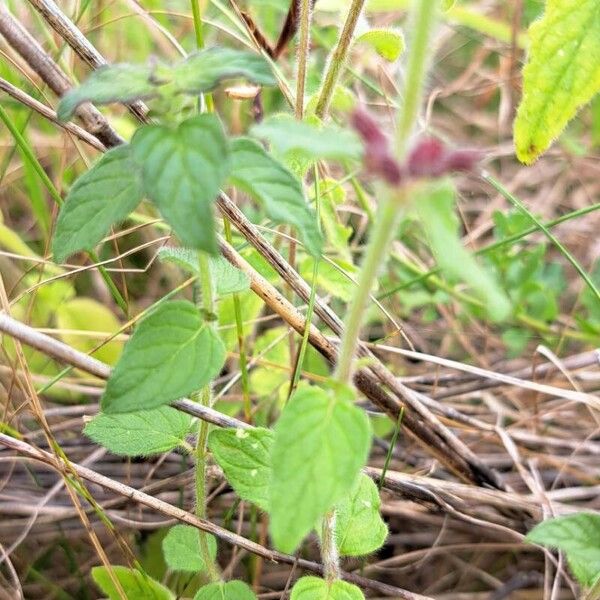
(579, 537)
(199, 72)
(202, 71)
(141, 433)
(245, 457)
(332, 276)
(435, 208)
(332, 195)
(389, 44)
(171, 353)
(232, 590)
(314, 588)
(273, 347)
(183, 169)
(321, 442)
(562, 73)
(136, 585)
(101, 197)
(86, 314)
(111, 83)
(227, 279)
(181, 549)
(310, 139)
(359, 527)
(270, 183)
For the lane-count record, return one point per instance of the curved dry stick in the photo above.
(48, 113)
(189, 519)
(43, 64)
(64, 353)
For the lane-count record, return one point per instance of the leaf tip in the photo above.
(66, 107)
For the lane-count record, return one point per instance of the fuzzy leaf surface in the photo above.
(200, 72)
(359, 527)
(101, 197)
(135, 584)
(111, 83)
(171, 354)
(245, 457)
(203, 71)
(309, 138)
(277, 189)
(315, 588)
(578, 536)
(181, 549)
(227, 279)
(321, 442)
(562, 73)
(183, 169)
(389, 44)
(231, 590)
(140, 433)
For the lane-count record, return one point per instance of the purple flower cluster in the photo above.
(429, 157)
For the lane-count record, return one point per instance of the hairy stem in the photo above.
(205, 398)
(329, 549)
(199, 33)
(390, 208)
(338, 58)
(386, 222)
(388, 213)
(239, 326)
(424, 18)
(312, 298)
(303, 54)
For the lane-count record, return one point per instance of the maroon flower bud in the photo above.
(427, 158)
(462, 159)
(366, 126)
(378, 158)
(385, 166)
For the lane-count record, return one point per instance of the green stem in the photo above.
(303, 54)
(329, 549)
(386, 222)
(424, 20)
(30, 156)
(206, 286)
(205, 398)
(199, 33)
(239, 326)
(312, 298)
(338, 58)
(388, 213)
(198, 30)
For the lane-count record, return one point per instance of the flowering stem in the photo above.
(384, 228)
(424, 17)
(392, 200)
